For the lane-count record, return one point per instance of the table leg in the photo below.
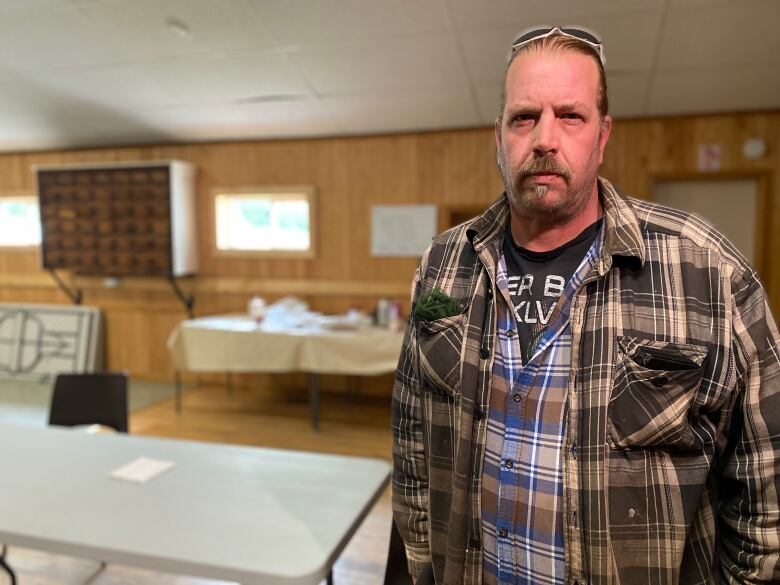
(177, 381)
(314, 400)
(353, 389)
(330, 577)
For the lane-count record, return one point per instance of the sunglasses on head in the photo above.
(580, 34)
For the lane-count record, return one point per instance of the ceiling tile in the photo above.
(489, 100)
(14, 5)
(313, 21)
(627, 94)
(497, 13)
(486, 51)
(84, 72)
(743, 32)
(51, 37)
(715, 90)
(629, 44)
(248, 121)
(109, 128)
(139, 26)
(420, 62)
(66, 129)
(419, 110)
(18, 97)
(235, 78)
(126, 86)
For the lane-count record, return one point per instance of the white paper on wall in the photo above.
(402, 230)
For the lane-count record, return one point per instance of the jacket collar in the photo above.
(622, 232)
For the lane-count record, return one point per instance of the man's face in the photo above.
(550, 137)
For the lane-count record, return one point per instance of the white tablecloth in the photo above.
(238, 344)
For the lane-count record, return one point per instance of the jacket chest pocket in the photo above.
(441, 346)
(654, 388)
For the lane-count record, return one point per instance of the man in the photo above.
(589, 389)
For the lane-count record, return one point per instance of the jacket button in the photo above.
(484, 353)
(490, 294)
(474, 543)
(479, 414)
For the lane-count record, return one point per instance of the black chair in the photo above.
(6, 567)
(87, 399)
(397, 571)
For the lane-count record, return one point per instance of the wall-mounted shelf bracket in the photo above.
(187, 300)
(73, 294)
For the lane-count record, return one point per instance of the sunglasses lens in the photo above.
(530, 35)
(581, 34)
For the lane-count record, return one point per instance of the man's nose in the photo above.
(546, 136)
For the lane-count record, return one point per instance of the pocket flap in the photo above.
(651, 398)
(671, 351)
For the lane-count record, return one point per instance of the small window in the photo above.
(20, 221)
(269, 220)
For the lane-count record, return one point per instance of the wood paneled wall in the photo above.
(351, 174)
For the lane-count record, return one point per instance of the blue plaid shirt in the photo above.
(522, 483)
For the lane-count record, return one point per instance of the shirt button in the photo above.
(503, 533)
(517, 397)
(490, 294)
(508, 464)
(574, 450)
(510, 332)
(484, 353)
(479, 414)
(474, 543)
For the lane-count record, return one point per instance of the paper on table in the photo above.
(142, 470)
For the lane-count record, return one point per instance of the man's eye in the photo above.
(571, 116)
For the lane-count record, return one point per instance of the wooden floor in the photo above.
(280, 419)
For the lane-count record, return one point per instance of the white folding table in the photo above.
(235, 343)
(240, 514)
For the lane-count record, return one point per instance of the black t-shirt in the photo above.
(537, 280)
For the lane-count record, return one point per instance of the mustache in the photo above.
(545, 165)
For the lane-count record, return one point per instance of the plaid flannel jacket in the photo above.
(674, 407)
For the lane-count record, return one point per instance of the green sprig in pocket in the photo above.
(434, 305)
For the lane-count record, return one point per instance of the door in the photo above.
(731, 205)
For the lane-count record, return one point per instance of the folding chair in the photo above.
(90, 399)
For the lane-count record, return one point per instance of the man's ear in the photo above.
(604, 132)
(497, 131)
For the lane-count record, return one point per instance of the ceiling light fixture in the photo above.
(178, 28)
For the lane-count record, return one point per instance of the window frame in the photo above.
(268, 190)
(24, 248)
